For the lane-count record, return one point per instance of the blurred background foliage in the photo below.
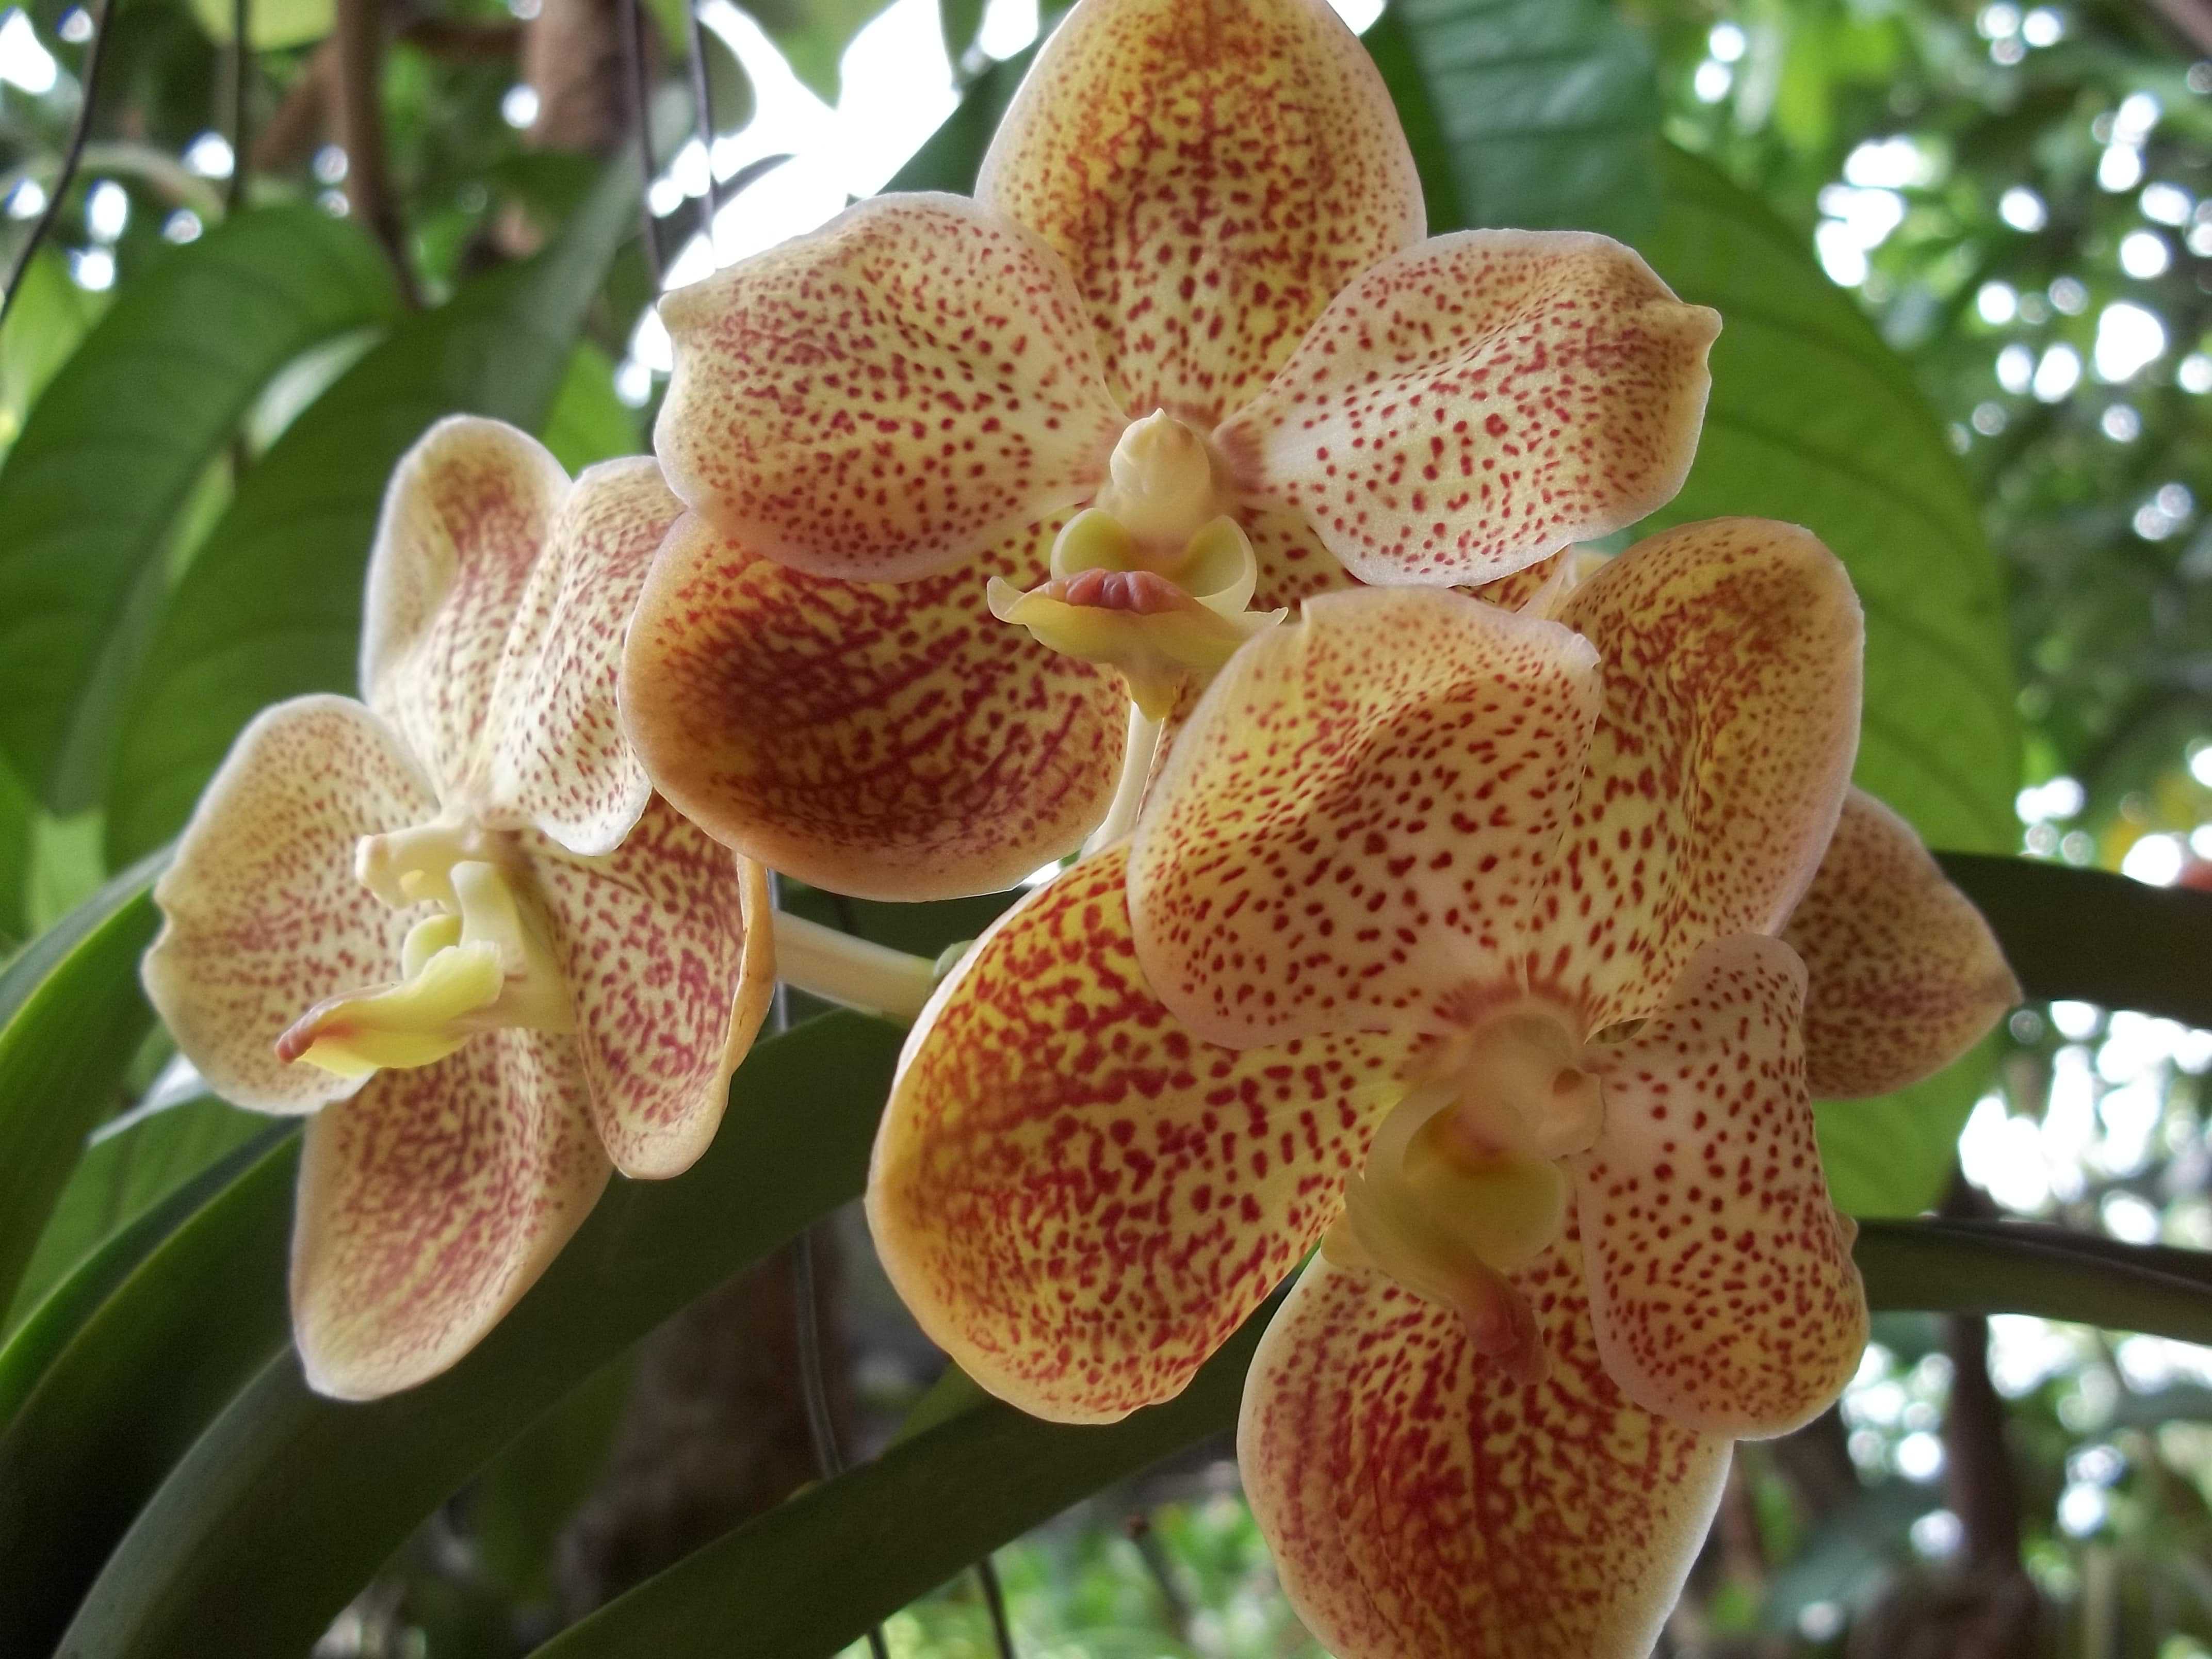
(207, 369)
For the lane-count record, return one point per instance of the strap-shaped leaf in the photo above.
(71, 1014)
(90, 492)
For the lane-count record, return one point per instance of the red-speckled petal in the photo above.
(890, 741)
(558, 762)
(430, 1202)
(1721, 1276)
(1731, 653)
(665, 943)
(1903, 972)
(886, 397)
(1214, 171)
(264, 918)
(1350, 832)
(1078, 1200)
(465, 518)
(1480, 401)
(1421, 1504)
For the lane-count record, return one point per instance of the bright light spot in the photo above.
(1988, 418)
(1895, 163)
(690, 169)
(2129, 1219)
(2121, 423)
(76, 26)
(1726, 42)
(2043, 27)
(2058, 375)
(2200, 766)
(27, 200)
(1920, 1456)
(2076, 1021)
(2153, 524)
(2195, 375)
(2015, 367)
(664, 197)
(182, 225)
(1937, 1534)
(2174, 501)
(2129, 339)
(1008, 27)
(1842, 255)
(2061, 798)
(2081, 1510)
(2003, 1156)
(650, 344)
(1870, 214)
(2200, 239)
(633, 383)
(1999, 20)
(525, 10)
(1041, 874)
(518, 106)
(330, 164)
(2007, 52)
(2200, 840)
(23, 62)
(2120, 167)
(2154, 859)
(1997, 302)
(2069, 296)
(209, 155)
(2167, 203)
(107, 211)
(2144, 254)
(1821, 1621)
(1358, 15)
(334, 202)
(93, 268)
(1712, 80)
(2022, 208)
(2137, 114)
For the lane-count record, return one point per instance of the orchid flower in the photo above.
(1182, 361)
(454, 924)
(1445, 942)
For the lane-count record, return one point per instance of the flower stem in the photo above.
(838, 968)
(1137, 758)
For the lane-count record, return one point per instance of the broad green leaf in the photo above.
(1538, 114)
(1892, 1157)
(129, 1167)
(329, 1489)
(17, 813)
(71, 1014)
(49, 318)
(848, 1554)
(812, 34)
(587, 422)
(271, 608)
(112, 453)
(270, 25)
(532, 1490)
(961, 21)
(131, 1388)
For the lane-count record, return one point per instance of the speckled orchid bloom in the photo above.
(1183, 360)
(1445, 942)
(455, 925)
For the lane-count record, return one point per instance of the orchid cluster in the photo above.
(1464, 916)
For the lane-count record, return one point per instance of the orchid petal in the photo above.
(1078, 1200)
(1480, 401)
(888, 396)
(558, 762)
(1421, 1504)
(1731, 651)
(1211, 170)
(887, 741)
(1353, 825)
(652, 939)
(264, 918)
(1904, 974)
(430, 1202)
(465, 519)
(1721, 1276)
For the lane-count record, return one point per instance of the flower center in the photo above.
(1154, 577)
(480, 963)
(1463, 1186)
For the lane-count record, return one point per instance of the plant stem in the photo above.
(359, 37)
(90, 87)
(641, 95)
(241, 67)
(838, 968)
(702, 97)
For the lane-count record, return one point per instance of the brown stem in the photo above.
(359, 37)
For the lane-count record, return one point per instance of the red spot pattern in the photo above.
(1480, 401)
(431, 1201)
(1422, 1505)
(1731, 651)
(1080, 1200)
(1721, 1283)
(1905, 974)
(1212, 171)
(887, 397)
(1355, 823)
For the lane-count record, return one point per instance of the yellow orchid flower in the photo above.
(454, 923)
(1446, 943)
(1183, 360)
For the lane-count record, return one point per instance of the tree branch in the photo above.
(360, 82)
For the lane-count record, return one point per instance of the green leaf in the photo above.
(851, 1552)
(961, 21)
(1892, 1157)
(1534, 113)
(51, 315)
(70, 1015)
(17, 812)
(329, 1489)
(271, 608)
(130, 1165)
(112, 453)
(271, 25)
(587, 422)
(131, 1388)
(812, 36)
